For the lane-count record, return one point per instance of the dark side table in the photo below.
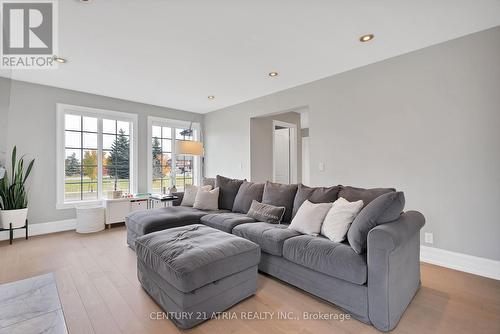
(164, 202)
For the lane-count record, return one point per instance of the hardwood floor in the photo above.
(100, 293)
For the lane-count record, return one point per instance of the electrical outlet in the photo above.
(429, 238)
(321, 166)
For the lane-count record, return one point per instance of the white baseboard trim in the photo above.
(462, 262)
(42, 228)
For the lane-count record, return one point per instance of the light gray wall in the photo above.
(32, 127)
(427, 122)
(4, 119)
(261, 145)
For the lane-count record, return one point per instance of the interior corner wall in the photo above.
(32, 127)
(261, 145)
(426, 122)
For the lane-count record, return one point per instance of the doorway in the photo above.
(284, 152)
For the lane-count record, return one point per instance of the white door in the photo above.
(282, 155)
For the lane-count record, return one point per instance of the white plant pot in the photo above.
(16, 217)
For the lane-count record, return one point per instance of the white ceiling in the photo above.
(174, 53)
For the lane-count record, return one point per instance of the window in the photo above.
(165, 164)
(95, 154)
(80, 162)
(116, 155)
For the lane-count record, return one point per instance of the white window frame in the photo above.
(62, 110)
(172, 123)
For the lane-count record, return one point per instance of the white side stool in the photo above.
(89, 218)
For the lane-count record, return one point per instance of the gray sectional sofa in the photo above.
(374, 284)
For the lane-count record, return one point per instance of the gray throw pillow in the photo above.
(190, 192)
(248, 192)
(383, 209)
(314, 195)
(266, 213)
(208, 181)
(353, 194)
(228, 190)
(278, 194)
(206, 199)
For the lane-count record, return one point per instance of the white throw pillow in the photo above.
(309, 217)
(339, 219)
(190, 194)
(207, 199)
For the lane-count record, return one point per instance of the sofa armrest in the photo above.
(392, 235)
(393, 268)
(178, 201)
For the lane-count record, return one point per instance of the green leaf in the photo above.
(28, 171)
(13, 159)
(13, 194)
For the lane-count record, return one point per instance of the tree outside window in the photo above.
(118, 162)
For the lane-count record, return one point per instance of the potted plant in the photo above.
(13, 195)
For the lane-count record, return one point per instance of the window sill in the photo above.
(72, 205)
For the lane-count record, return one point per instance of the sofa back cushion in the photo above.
(248, 192)
(383, 209)
(208, 181)
(228, 190)
(180, 196)
(314, 195)
(278, 194)
(353, 194)
(266, 213)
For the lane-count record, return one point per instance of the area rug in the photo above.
(31, 305)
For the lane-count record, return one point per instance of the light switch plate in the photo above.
(429, 238)
(321, 166)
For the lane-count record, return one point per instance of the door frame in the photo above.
(293, 149)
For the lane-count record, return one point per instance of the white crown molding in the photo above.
(462, 262)
(42, 228)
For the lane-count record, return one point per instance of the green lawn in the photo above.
(179, 184)
(73, 190)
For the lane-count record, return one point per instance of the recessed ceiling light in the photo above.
(59, 59)
(211, 97)
(366, 38)
(85, 1)
(273, 74)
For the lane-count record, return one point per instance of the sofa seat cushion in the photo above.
(225, 221)
(144, 222)
(270, 237)
(325, 256)
(190, 257)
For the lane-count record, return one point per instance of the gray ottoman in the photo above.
(140, 223)
(195, 271)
